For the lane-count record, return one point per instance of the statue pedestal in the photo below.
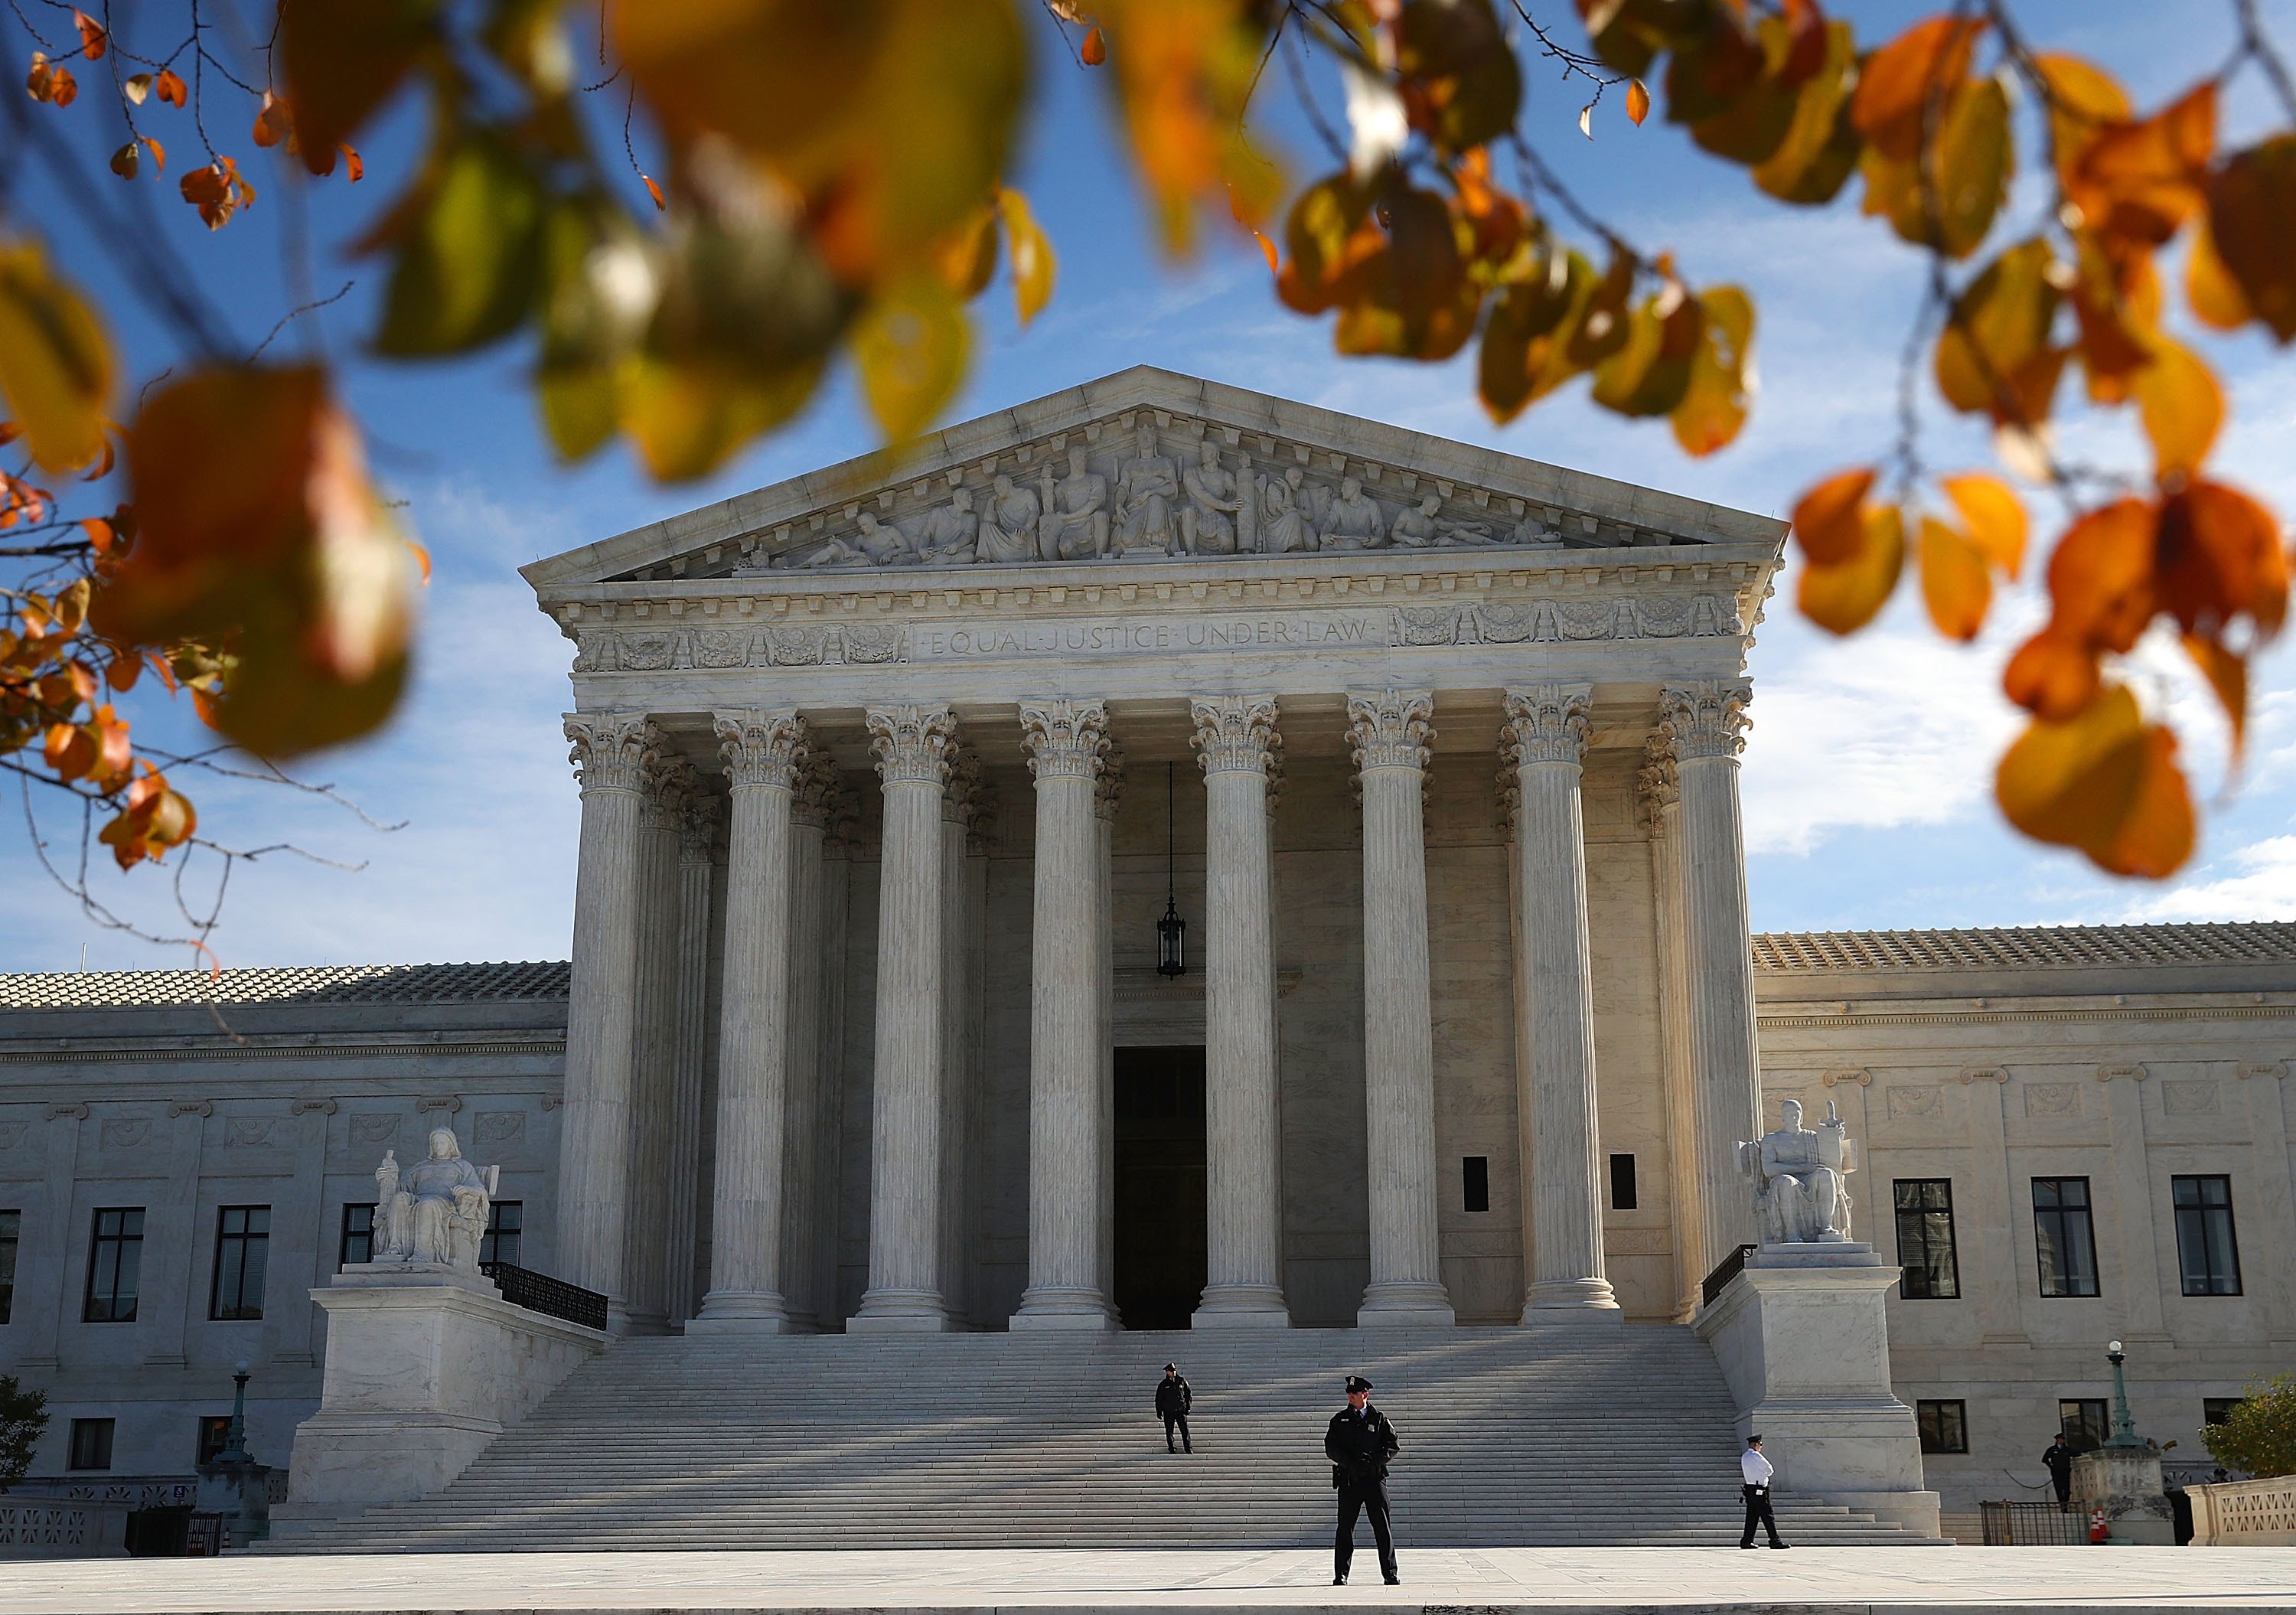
(2126, 1483)
(426, 1363)
(1803, 1340)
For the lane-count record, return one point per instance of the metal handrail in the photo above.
(552, 1297)
(1729, 1267)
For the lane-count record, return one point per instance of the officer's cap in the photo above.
(1357, 1382)
(1168, 1368)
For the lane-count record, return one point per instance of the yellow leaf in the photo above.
(2216, 298)
(1844, 597)
(1033, 262)
(2104, 780)
(2227, 671)
(1829, 520)
(55, 366)
(1637, 102)
(1995, 517)
(1721, 373)
(911, 345)
(2182, 407)
(1956, 585)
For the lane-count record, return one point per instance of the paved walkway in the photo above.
(1614, 1581)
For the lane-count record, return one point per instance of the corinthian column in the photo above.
(611, 751)
(1064, 739)
(1660, 803)
(1703, 727)
(1234, 740)
(808, 1105)
(762, 751)
(1389, 731)
(671, 785)
(911, 744)
(697, 846)
(959, 970)
(1547, 733)
(1108, 795)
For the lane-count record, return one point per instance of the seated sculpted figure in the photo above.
(1798, 1194)
(1074, 525)
(1355, 521)
(1286, 527)
(952, 532)
(435, 1210)
(1008, 528)
(1147, 488)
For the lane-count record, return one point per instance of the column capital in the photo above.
(1390, 728)
(817, 789)
(761, 748)
(1547, 723)
(1107, 788)
(699, 821)
(669, 786)
(959, 799)
(981, 818)
(843, 838)
(1704, 719)
(609, 750)
(1065, 739)
(911, 743)
(1236, 734)
(1658, 783)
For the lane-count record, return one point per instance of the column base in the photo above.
(899, 1312)
(1588, 1300)
(741, 1312)
(1406, 1302)
(1064, 1307)
(1241, 1306)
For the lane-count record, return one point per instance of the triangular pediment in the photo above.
(1148, 463)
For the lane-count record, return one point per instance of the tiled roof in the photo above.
(303, 984)
(2029, 948)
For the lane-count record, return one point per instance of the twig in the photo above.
(256, 352)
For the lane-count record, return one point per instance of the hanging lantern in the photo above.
(1171, 931)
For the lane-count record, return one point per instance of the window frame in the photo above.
(100, 1430)
(116, 1243)
(346, 1234)
(2216, 1410)
(1621, 1169)
(252, 1248)
(2043, 1246)
(1899, 1213)
(2077, 1434)
(1931, 1413)
(11, 1237)
(490, 1243)
(2201, 1213)
(216, 1426)
(1474, 1184)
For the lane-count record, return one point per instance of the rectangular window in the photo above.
(1475, 1182)
(2084, 1422)
(1944, 1426)
(357, 1243)
(1926, 1245)
(214, 1429)
(115, 1264)
(242, 1245)
(2216, 1410)
(91, 1444)
(1622, 1183)
(2206, 1250)
(2065, 1236)
(500, 1243)
(12, 1224)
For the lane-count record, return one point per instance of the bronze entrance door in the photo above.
(1160, 1186)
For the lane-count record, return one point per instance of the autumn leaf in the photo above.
(55, 364)
(218, 190)
(1721, 391)
(911, 345)
(1637, 102)
(2136, 183)
(170, 88)
(1992, 515)
(467, 246)
(91, 36)
(1032, 255)
(152, 820)
(1905, 82)
(1095, 50)
(50, 82)
(1844, 597)
(1994, 355)
(2216, 298)
(2083, 100)
(136, 86)
(125, 160)
(1828, 522)
(2104, 781)
(1956, 585)
(2182, 406)
(342, 62)
(2251, 212)
(2219, 557)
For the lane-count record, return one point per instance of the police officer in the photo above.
(1359, 1443)
(2059, 1458)
(1754, 1471)
(1173, 1400)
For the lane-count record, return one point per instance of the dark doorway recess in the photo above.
(1160, 1186)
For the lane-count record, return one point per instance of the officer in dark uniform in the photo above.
(1359, 1443)
(1173, 1400)
(2059, 1458)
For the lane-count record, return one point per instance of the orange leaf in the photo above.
(91, 36)
(354, 170)
(169, 88)
(1637, 102)
(2104, 781)
(2252, 216)
(2227, 671)
(2182, 407)
(273, 123)
(100, 533)
(1827, 523)
(2053, 674)
(1994, 515)
(2083, 99)
(2220, 557)
(1033, 259)
(1095, 47)
(122, 671)
(1903, 80)
(159, 153)
(1955, 585)
(422, 559)
(68, 751)
(1267, 250)
(2216, 297)
(1844, 598)
(654, 190)
(2136, 182)
(2100, 576)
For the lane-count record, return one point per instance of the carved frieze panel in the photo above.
(499, 1127)
(2191, 1097)
(2053, 1099)
(124, 1133)
(243, 1130)
(12, 1133)
(373, 1127)
(1915, 1100)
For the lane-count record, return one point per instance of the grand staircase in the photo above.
(1537, 1436)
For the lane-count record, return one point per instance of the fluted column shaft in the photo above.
(1703, 725)
(958, 951)
(911, 744)
(1108, 795)
(689, 1081)
(610, 753)
(762, 752)
(654, 1082)
(1389, 733)
(1546, 729)
(802, 1211)
(1661, 814)
(1064, 741)
(1234, 740)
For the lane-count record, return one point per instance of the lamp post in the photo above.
(234, 1438)
(2124, 1428)
(1171, 931)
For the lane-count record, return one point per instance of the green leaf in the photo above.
(468, 254)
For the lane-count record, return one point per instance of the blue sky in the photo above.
(1867, 777)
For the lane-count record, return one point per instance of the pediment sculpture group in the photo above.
(1156, 504)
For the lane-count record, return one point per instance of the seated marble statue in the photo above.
(1799, 1196)
(1355, 521)
(1008, 529)
(951, 535)
(435, 1209)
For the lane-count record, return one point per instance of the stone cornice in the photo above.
(1798, 1018)
(224, 1049)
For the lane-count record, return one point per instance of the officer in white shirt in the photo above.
(1757, 1471)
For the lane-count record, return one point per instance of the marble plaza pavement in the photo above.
(1456, 1581)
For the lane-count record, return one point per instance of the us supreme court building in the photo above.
(1164, 856)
